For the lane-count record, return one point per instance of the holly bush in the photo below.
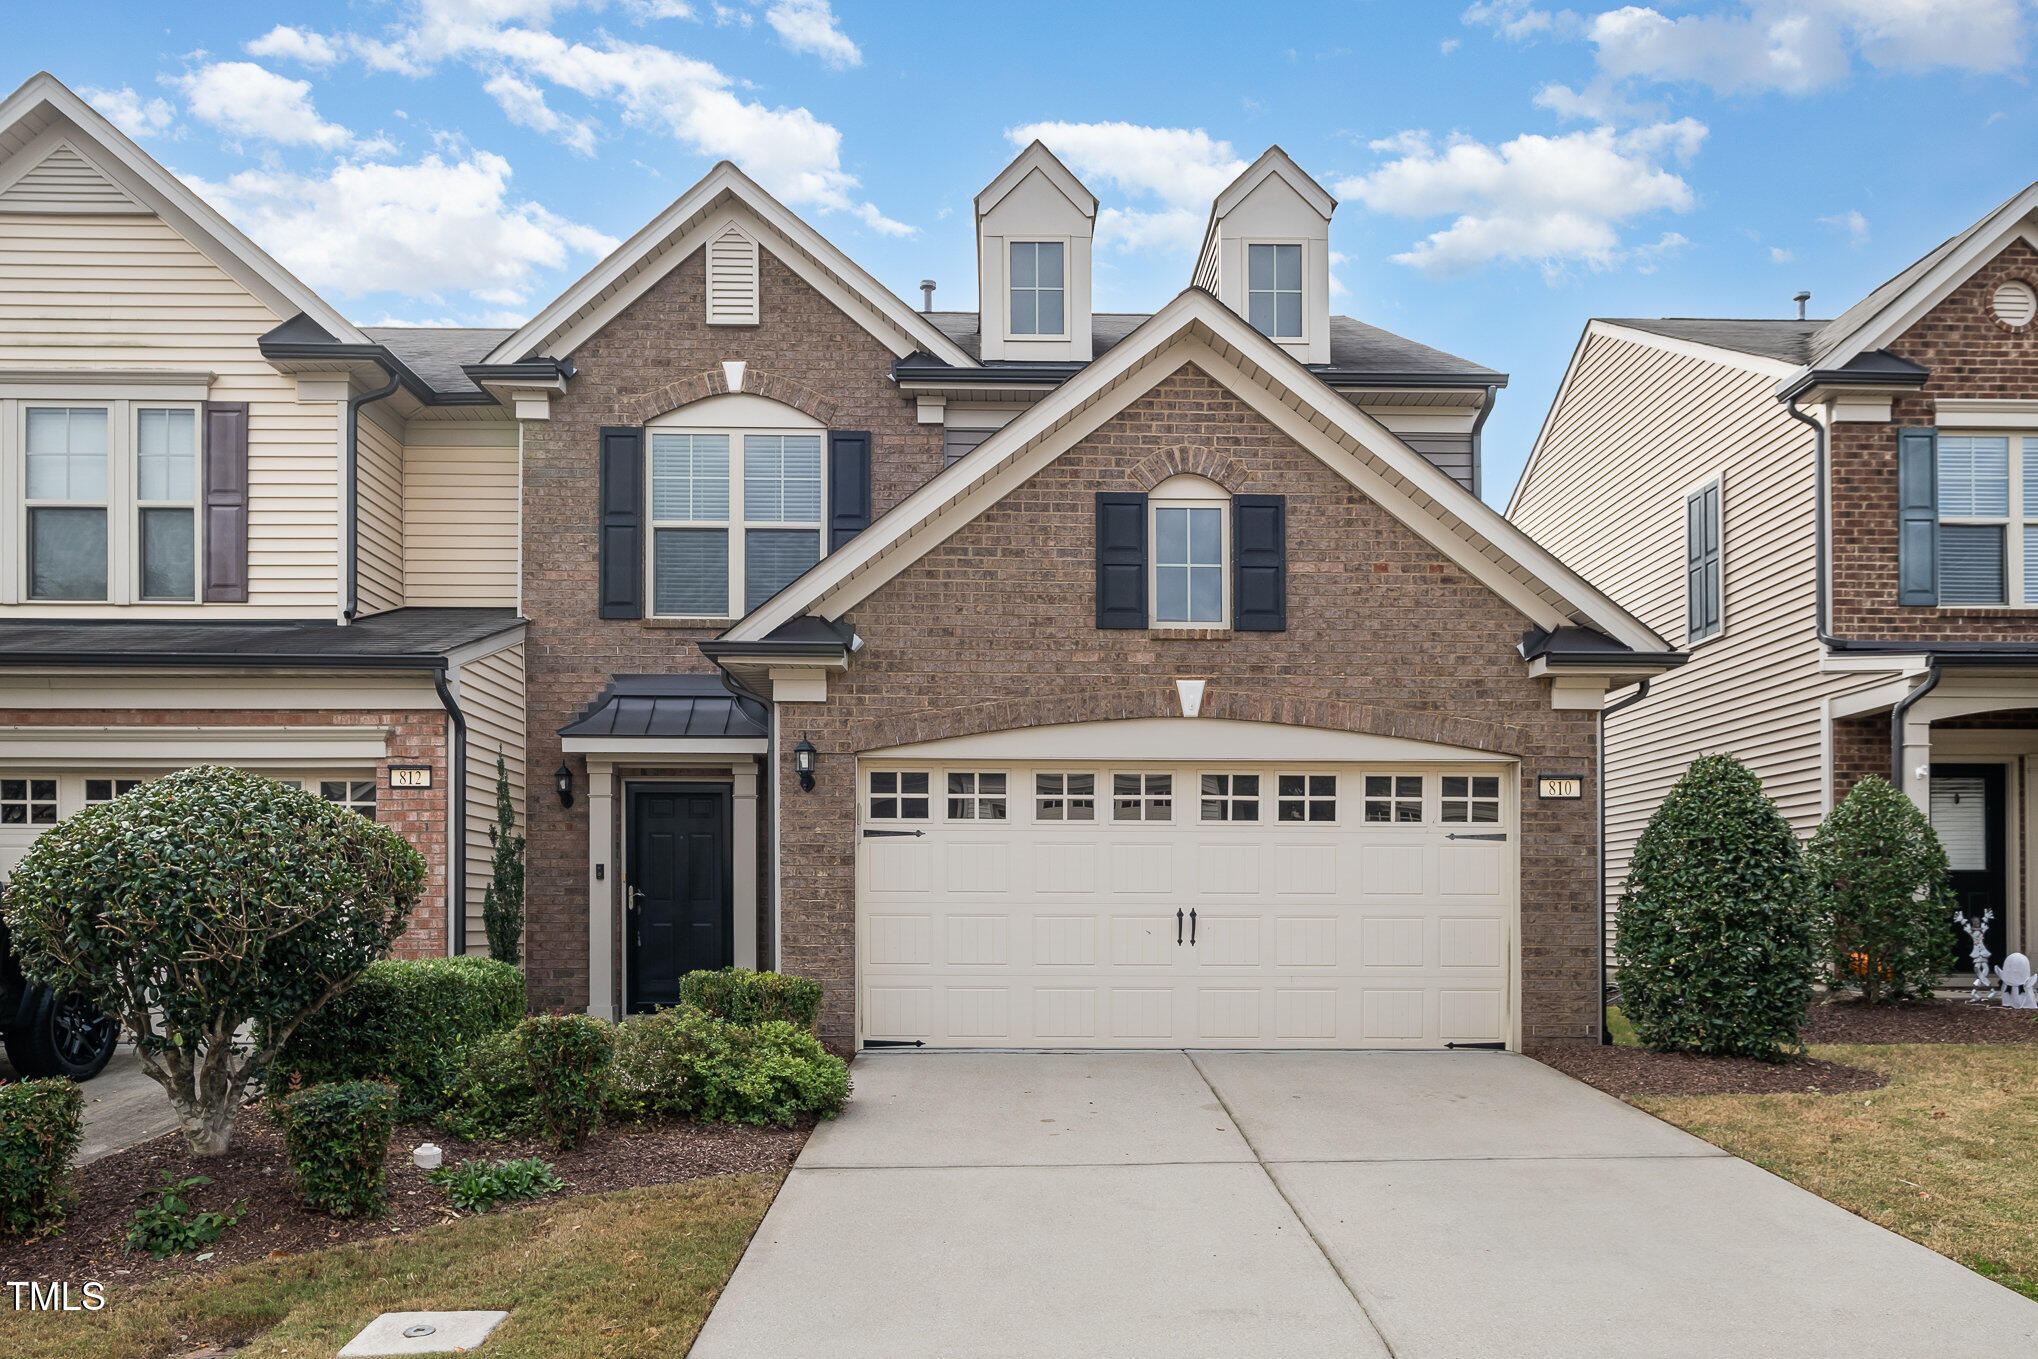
(1880, 874)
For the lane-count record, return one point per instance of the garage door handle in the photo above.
(876, 834)
(1192, 927)
(1178, 927)
(1497, 835)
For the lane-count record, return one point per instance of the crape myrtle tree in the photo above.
(211, 911)
(1881, 879)
(1718, 935)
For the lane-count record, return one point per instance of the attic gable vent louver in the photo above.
(2015, 303)
(64, 181)
(732, 279)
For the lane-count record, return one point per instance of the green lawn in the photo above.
(610, 1275)
(1946, 1153)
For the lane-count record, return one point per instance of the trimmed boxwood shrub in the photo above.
(409, 1021)
(41, 1123)
(686, 1063)
(1881, 878)
(336, 1137)
(744, 997)
(566, 1058)
(492, 1096)
(1717, 935)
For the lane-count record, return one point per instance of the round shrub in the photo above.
(1717, 936)
(409, 1021)
(41, 1123)
(566, 1057)
(336, 1138)
(491, 1096)
(686, 1063)
(1880, 874)
(203, 905)
(745, 997)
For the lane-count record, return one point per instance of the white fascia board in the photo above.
(1931, 288)
(117, 156)
(1351, 442)
(1037, 157)
(593, 288)
(1275, 161)
(674, 745)
(1873, 663)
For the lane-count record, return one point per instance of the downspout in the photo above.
(1478, 424)
(1821, 587)
(456, 817)
(1641, 692)
(353, 473)
(1896, 722)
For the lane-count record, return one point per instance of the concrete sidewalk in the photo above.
(1296, 1204)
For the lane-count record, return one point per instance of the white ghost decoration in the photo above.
(2014, 977)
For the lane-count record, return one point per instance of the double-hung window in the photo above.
(1703, 577)
(1988, 519)
(67, 460)
(1038, 289)
(735, 517)
(166, 496)
(108, 502)
(1190, 586)
(1273, 290)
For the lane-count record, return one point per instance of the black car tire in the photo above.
(63, 1037)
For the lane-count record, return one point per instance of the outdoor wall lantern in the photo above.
(803, 764)
(563, 781)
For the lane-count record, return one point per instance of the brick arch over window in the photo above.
(1208, 463)
(1120, 703)
(715, 382)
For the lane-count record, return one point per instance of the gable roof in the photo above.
(440, 355)
(1197, 328)
(1036, 156)
(43, 115)
(1786, 341)
(647, 256)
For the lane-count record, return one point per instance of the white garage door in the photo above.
(1175, 905)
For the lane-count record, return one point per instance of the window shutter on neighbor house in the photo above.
(226, 502)
(1259, 563)
(1121, 559)
(621, 572)
(1702, 562)
(1917, 478)
(848, 485)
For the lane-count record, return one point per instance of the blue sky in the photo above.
(1504, 170)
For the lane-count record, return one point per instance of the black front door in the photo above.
(680, 906)
(1967, 811)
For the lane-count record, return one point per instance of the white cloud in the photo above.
(132, 114)
(524, 104)
(1778, 255)
(1337, 286)
(1158, 229)
(650, 11)
(1547, 200)
(1183, 167)
(247, 100)
(1597, 102)
(295, 44)
(442, 225)
(809, 26)
(1516, 20)
(790, 151)
(1850, 224)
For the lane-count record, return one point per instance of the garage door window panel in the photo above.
(1064, 797)
(976, 796)
(1471, 799)
(28, 802)
(1306, 798)
(1231, 797)
(1143, 797)
(1394, 799)
(899, 795)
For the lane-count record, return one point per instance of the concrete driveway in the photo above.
(1301, 1204)
(123, 1107)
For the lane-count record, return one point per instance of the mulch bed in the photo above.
(92, 1244)
(1930, 1021)
(1629, 1072)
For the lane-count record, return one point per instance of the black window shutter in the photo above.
(1259, 563)
(622, 522)
(1121, 559)
(1917, 478)
(226, 503)
(848, 485)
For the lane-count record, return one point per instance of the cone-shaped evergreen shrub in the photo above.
(1718, 938)
(1881, 879)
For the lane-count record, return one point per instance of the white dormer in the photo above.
(1266, 254)
(1034, 224)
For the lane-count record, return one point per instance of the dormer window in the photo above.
(1274, 290)
(1038, 289)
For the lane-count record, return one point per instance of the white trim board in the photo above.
(177, 747)
(1196, 328)
(1175, 739)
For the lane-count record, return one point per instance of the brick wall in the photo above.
(418, 814)
(657, 355)
(1970, 354)
(994, 629)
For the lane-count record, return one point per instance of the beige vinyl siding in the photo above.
(460, 514)
(65, 181)
(127, 292)
(1637, 428)
(491, 694)
(380, 485)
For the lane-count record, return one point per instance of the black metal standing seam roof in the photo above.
(670, 707)
(399, 637)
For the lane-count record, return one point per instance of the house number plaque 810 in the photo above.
(1561, 788)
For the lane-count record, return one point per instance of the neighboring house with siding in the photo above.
(1853, 586)
(201, 559)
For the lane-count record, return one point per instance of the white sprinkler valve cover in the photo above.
(428, 1156)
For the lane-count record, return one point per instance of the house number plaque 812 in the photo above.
(410, 776)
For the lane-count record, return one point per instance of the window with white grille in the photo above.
(732, 279)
